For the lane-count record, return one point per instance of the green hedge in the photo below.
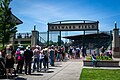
(100, 58)
(24, 45)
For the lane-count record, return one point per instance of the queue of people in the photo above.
(38, 58)
(25, 57)
(35, 59)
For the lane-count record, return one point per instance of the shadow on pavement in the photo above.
(36, 74)
(20, 78)
(9, 77)
(57, 66)
(47, 71)
(13, 77)
(51, 68)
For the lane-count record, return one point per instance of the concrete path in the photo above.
(69, 70)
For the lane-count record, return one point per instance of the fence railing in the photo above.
(42, 40)
(23, 35)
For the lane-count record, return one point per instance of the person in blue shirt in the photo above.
(94, 60)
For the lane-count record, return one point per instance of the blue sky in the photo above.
(40, 12)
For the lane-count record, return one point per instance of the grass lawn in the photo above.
(100, 74)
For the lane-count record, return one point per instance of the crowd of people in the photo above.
(35, 58)
(103, 53)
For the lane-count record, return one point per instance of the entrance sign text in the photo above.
(73, 27)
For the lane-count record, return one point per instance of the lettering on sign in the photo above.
(73, 27)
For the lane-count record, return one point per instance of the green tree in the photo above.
(7, 24)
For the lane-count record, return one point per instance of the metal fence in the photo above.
(53, 35)
(23, 35)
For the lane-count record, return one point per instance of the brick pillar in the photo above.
(115, 43)
(35, 38)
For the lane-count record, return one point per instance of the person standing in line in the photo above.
(41, 59)
(36, 56)
(9, 64)
(77, 52)
(62, 52)
(52, 53)
(70, 52)
(2, 65)
(3, 53)
(20, 60)
(94, 59)
(45, 60)
(9, 61)
(58, 54)
(102, 49)
(74, 53)
(55, 56)
(28, 54)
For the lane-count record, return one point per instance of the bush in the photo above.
(100, 58)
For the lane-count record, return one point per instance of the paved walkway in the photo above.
(69, 70)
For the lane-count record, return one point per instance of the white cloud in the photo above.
(47, 12)
(41, 13)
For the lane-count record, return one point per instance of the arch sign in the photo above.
(76, 25)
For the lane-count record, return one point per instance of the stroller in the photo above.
(2, 66)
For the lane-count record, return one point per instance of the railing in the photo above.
(42, 40)
(23, 35)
